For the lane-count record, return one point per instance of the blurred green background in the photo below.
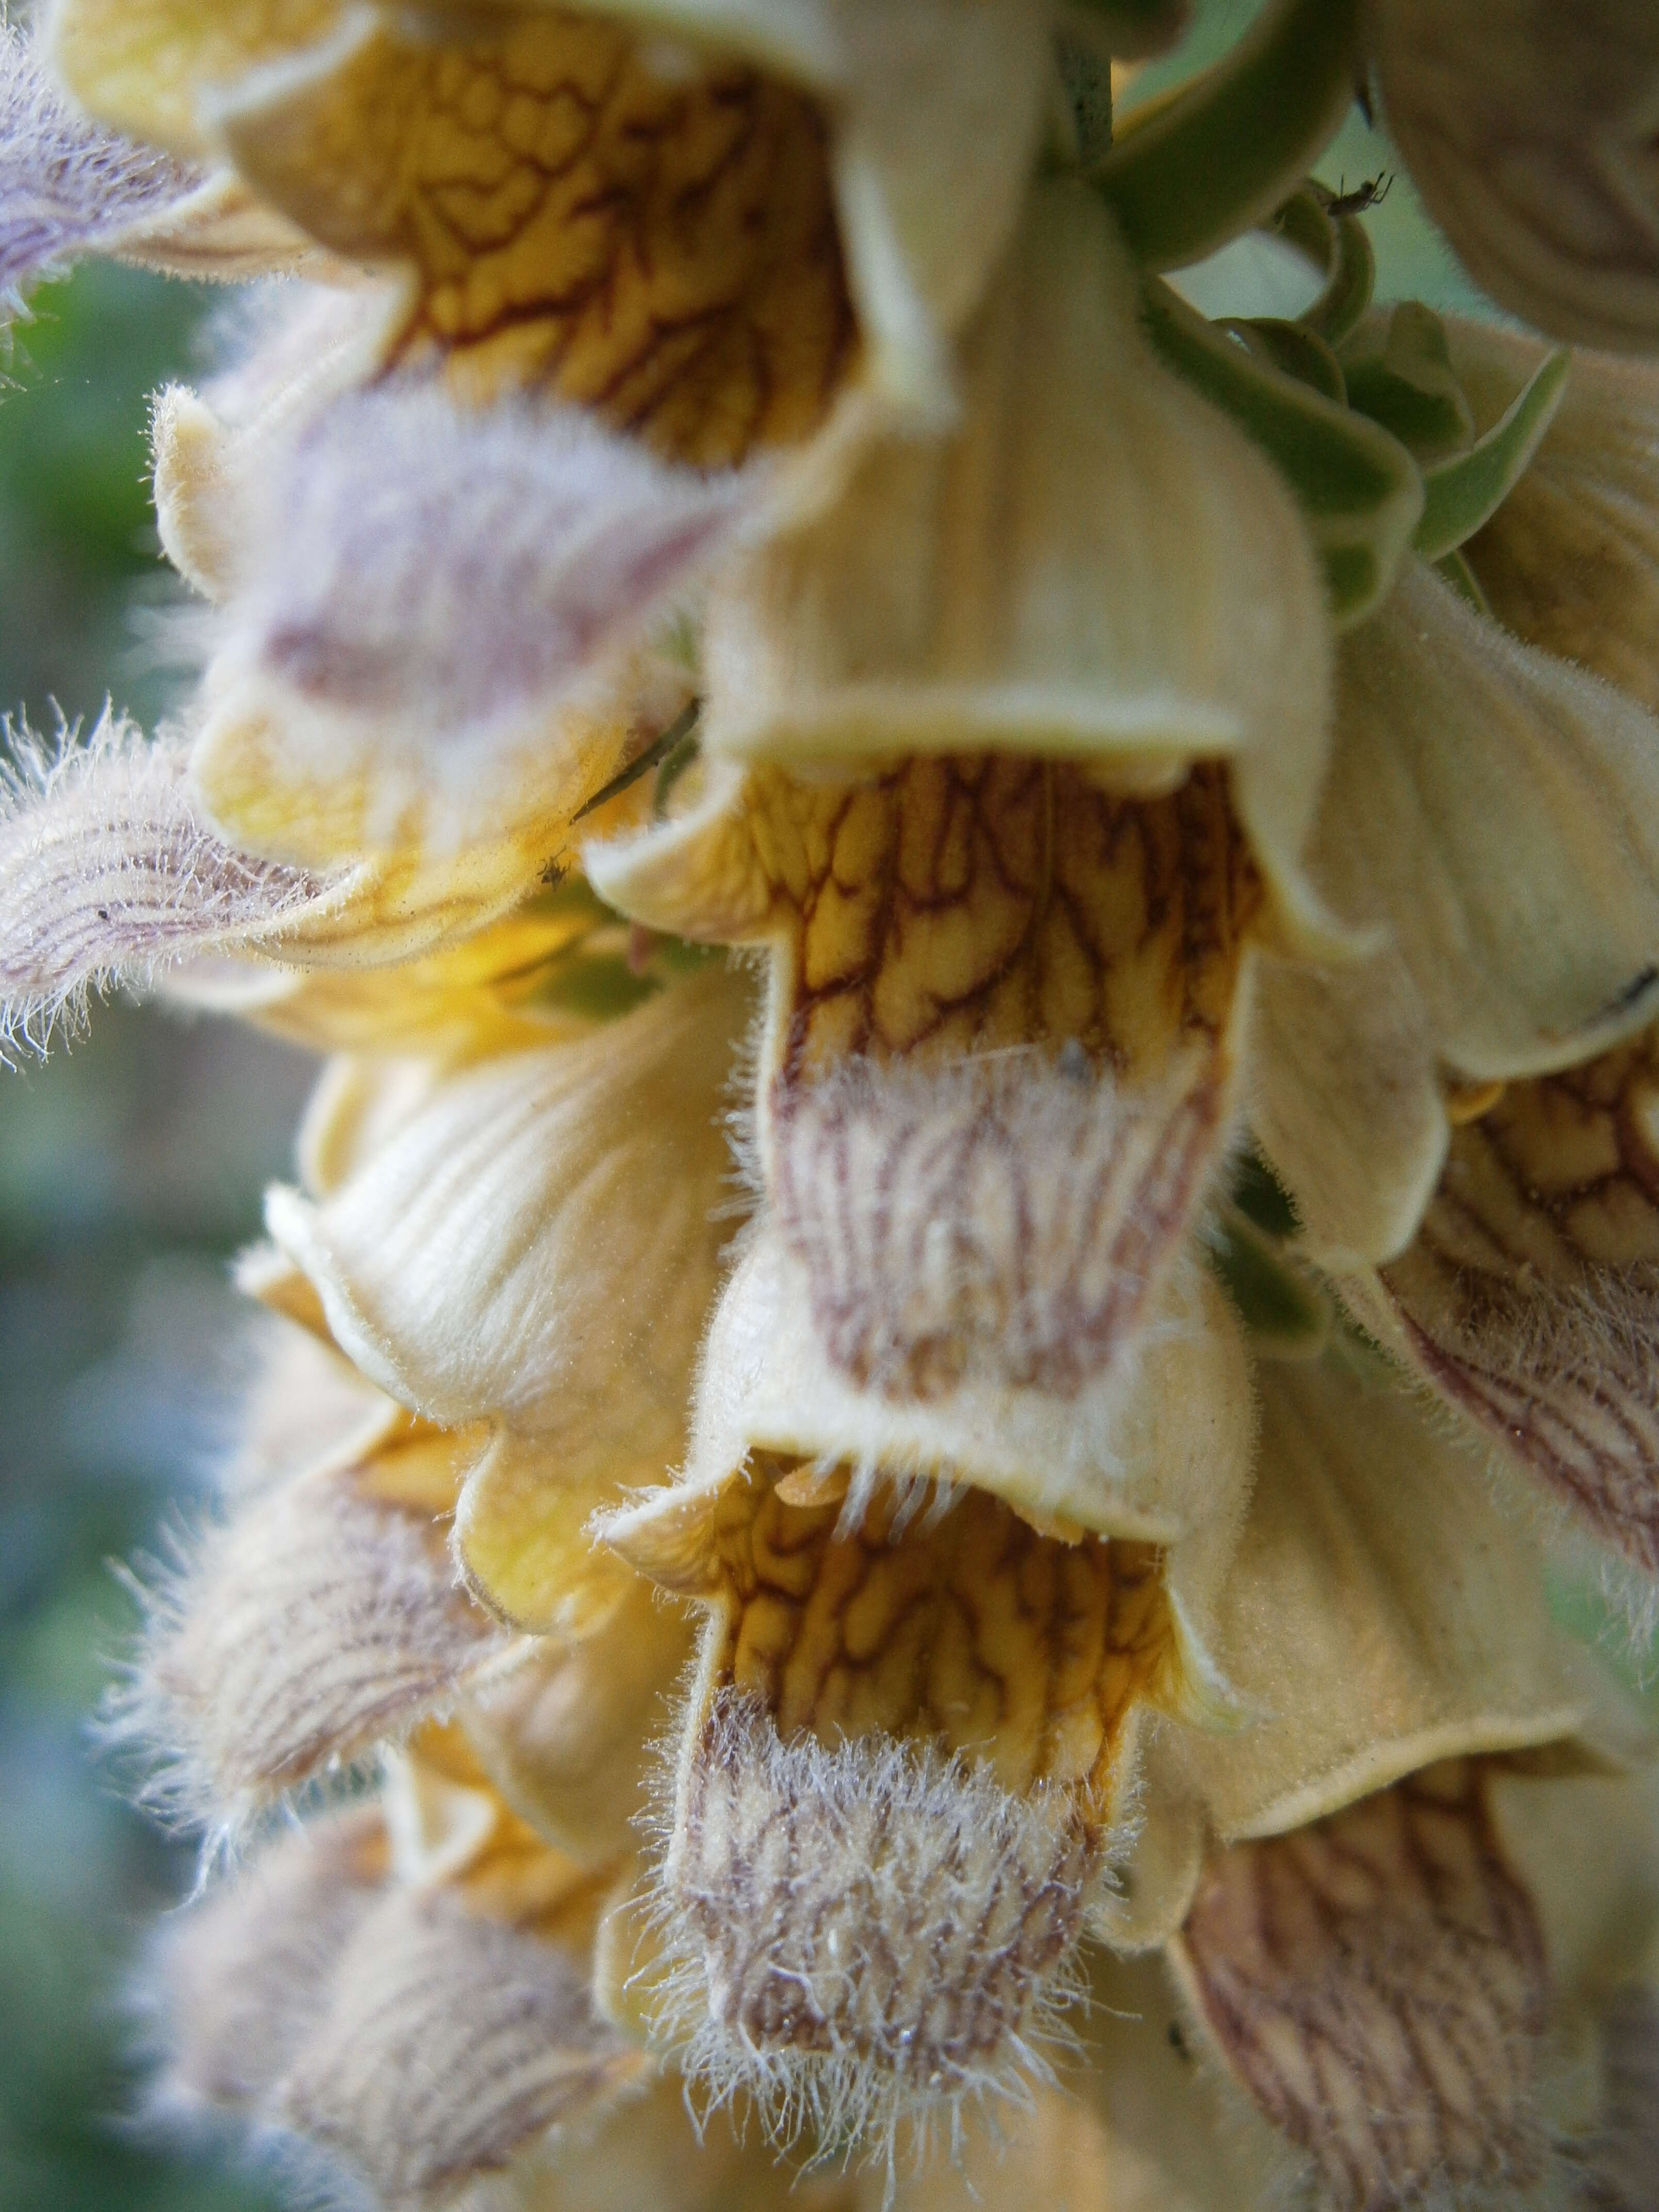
(131, 1168)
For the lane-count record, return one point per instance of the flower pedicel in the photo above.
(1008, 1661)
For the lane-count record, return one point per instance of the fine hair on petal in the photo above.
(67, 186)
(865, 1939)
(109, 875)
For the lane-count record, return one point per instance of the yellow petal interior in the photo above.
(1027, 1652)
(142, 64)
(970, 903)
(657, 243)
(1554, 1175)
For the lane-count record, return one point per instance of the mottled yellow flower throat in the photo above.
(623, 226)
(967, 905)
(1002, 1052)
(970, 1629)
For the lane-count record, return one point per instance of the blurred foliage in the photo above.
(77, 536)
(130, 1168)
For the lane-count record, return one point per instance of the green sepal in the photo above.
(1280, 1305)
(1190, 172)
(1351, 280)
(1464, 580)
(1298, 352)
(1303, 223)
(1408, 384)
(655, 754)
(1358, 488)
(1461, 495)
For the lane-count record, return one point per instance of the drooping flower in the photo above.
(1121, 740)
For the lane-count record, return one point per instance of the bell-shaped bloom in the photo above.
(1437, 1994)
(1529, 133)
(911, 1751)
(1489, 814)
(530, 1244)
(1031, 747)
(697, 221)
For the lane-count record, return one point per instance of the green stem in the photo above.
(1220, 157)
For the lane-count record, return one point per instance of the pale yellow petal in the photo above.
(1178, 2141)
(1529, 132)
(569, 1732)
(1571, 560)
(1094, 567)
(1381, 1614)
(532, 1241)
(209, 449)
(1348, 1102)
(931, 160)
(1054, 2154)
(360, 1103)
(144, 65)
(521, 1538)
(1497, 812)
(534, 1245)
(1156, 1457)
(1599, 1908)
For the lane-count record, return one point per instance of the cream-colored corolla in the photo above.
(1099, 727)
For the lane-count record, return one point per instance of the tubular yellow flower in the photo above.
(694, 218)
(1000, 1618)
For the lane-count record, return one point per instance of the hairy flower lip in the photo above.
(443, 635)
(786, 1879)
(68, 188)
